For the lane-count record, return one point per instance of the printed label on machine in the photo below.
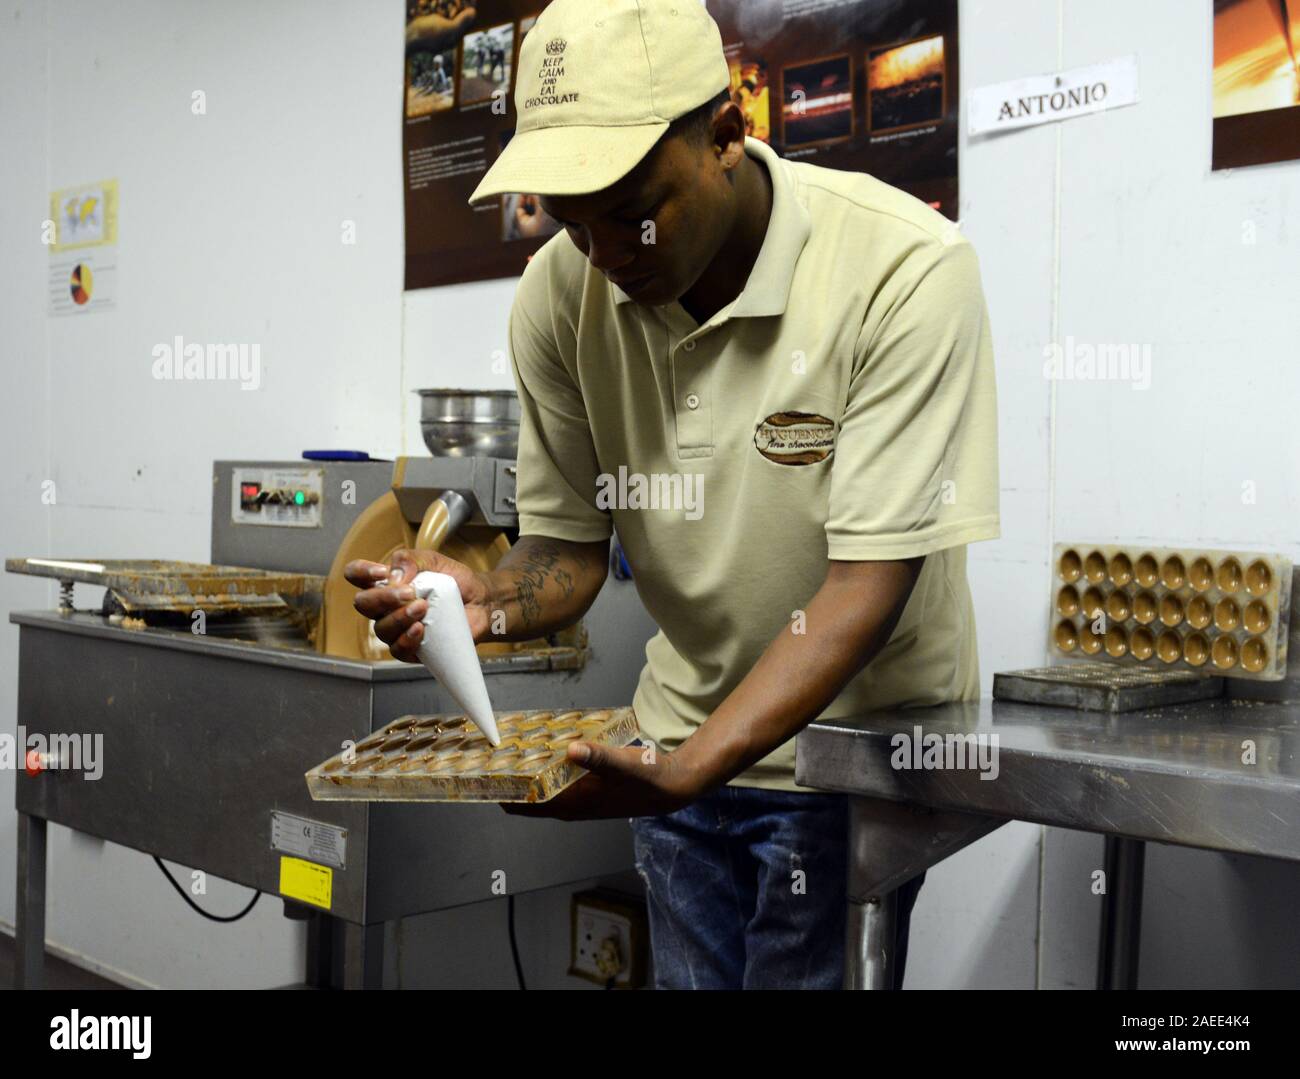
(306, 882)
(311, 839)
(288, 497)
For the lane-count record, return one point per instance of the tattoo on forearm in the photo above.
(542, 563)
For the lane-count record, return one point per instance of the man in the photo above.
(797, 361)
(439, 83)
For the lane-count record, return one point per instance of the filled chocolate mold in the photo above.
(1225, 612)
(445, 758)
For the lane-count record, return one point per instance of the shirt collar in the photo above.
(767, 291)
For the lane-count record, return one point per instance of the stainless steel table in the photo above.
(204, 744)
(1180, 774)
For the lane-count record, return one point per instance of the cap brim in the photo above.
(567, 160)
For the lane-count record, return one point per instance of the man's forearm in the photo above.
(543, 585)
(846, 623)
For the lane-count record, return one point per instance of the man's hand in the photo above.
(388, 598)
(634, 781)
(540, 585)
(437, 33)
(848, 621)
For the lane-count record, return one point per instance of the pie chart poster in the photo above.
(862, 85)
(82, 235)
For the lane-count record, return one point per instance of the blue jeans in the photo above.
(747, 889)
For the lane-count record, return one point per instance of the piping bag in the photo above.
(447, 649)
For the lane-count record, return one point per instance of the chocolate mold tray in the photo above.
(1217, 612)
(445, 758)
(1104, 687)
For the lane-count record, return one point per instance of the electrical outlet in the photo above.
(608, 939)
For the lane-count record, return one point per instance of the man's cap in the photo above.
(598, 83)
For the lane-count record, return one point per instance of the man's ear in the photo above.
(729, 135)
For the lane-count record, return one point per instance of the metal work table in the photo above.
(205, 742)
(1173, 774)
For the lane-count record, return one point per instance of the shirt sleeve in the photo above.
(557, 467)
(915, 468)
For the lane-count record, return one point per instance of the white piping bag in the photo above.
(447, 649)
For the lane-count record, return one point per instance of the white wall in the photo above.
(1109, 228)
(1112, 229)
(1154, 251)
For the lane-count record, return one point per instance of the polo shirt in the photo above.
(842, 406)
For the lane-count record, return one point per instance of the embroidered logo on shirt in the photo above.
(795, 438)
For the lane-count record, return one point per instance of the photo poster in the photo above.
(1256, 82)
(82, 239)
(860, 85)
(458, 113)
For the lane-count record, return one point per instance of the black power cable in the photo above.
(514, 943)
(211, 917)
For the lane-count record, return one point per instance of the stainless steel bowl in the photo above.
(470, 423)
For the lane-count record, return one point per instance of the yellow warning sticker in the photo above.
(306, 881)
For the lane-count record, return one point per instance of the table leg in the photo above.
(889, 844)
(363, 956)
(1121, 914)
(321, 935)
(873, 935)
(29, 915)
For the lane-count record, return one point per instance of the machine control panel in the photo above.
(284, 497)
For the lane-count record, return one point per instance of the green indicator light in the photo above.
(299, 498)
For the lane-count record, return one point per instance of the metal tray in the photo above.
(1102, 687)
(161, 584)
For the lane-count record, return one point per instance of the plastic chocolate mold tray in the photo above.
(445, 758)
(1218, 612)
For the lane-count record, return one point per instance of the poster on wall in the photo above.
(1256, 82)
(458, 112)
(862, 85)
(82, 237)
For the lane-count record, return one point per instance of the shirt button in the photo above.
(692, 401)
(689, 346)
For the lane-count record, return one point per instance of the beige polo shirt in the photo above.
(841, 407)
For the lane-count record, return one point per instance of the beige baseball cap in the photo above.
(598, 83)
